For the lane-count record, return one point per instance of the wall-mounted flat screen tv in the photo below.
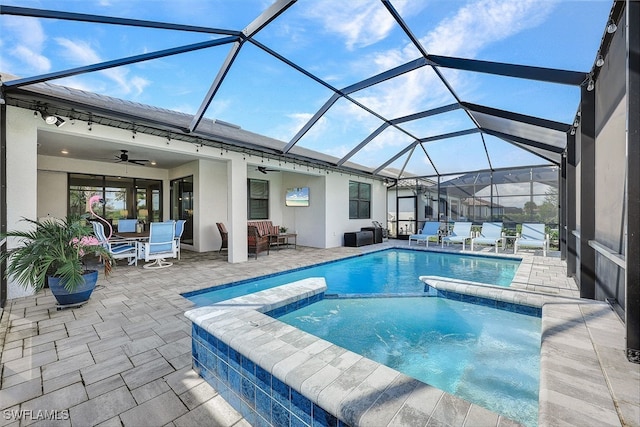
(298, 196)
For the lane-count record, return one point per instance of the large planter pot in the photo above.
(80, 295)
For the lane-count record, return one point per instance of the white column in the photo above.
(22, 177)
(237, 209)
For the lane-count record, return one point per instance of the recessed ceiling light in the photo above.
(153, 163)
(64, 152)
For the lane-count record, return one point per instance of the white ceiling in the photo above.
(83, 148)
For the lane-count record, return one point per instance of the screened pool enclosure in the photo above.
(480, 110)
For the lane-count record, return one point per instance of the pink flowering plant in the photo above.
(54, 247)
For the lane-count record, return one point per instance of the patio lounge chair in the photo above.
(491, 234)
(224, 234)
(118, 250)
(429, 229)
(532, 236)
(460, 234)
(161, 245)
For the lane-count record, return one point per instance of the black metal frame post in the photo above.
(587, 193)
(570, 206)
(632, 276)
(562, 207)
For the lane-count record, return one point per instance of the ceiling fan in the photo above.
(264, 169)
(124, 157)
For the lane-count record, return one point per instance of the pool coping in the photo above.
(574, 389)
(356, 390)
(521, 276)
(305, 361)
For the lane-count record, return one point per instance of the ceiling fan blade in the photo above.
(137, 162)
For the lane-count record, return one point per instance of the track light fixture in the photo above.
(611, 27)
(50, 119)
(599, 61)
(591, 85)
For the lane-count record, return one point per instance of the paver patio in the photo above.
(124, 358)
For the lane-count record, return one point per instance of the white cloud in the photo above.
(469, 30)
(37, 62)
(359, 22)
(482, 22)
(27, 38)
(297, 121)
(81, 53)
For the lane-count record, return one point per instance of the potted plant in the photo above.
(53, 252)
(283, 230)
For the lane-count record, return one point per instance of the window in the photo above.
(258, 203)
(124, 197)
(359, 200)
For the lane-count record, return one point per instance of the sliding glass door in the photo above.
(182, 205)
(124, 198)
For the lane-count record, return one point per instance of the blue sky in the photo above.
(339, 41)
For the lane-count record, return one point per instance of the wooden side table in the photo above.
(284, 239)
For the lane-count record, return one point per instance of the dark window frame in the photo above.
(255, 212)
(360, 205)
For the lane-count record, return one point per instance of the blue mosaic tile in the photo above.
(234, 359)
(248, 369)
(247, 412)
(234, 380)
(222, 370)
(301, 406)
(261, 422)
(195, 349)
(528, 310)
(211, 340)
(488, 302)
(248, 392)
(297, 422)
(223, 351)
(235, 401)
(263, 404)
(263, 379)
(280, 391)
(323, 418)
(280, 416)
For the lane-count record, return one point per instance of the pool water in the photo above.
(484, 355)
(387, 271)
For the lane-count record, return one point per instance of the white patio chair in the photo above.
(179, 230)
(532, 236)
(160, 246)
(429, 229)
(118, 249)
(490, 234)
(460, 234)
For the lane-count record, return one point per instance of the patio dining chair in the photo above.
(160, 246)
(179, 230)
(429, 229)
(127, 225)
(490, 234)
(460, 234)
(118, 250)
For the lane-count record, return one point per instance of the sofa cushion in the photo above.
(265, 228)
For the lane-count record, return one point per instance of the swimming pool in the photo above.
(390, 271)
(484, 355)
